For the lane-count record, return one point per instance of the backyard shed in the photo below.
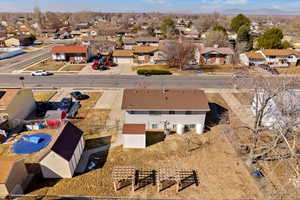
(13, 175)
(63, 156)
(134, 136)
(55, 118)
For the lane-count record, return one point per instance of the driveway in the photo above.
(122, 69)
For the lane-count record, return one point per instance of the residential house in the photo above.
(252, 59)
(280, 57)
(49, 32)
(13, 176)
(16, 105)
(147, 41)
(140, 55)
(123, 56)
(129, 44)
(73, 53)
(160, 109)
(149, 54)
(64, 153)
(214, 55)
(19, 41)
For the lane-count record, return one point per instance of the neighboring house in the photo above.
(140, 55)
(16, 105)
(13, 176)
(75, 34)
(64, 153)
(214, 55)
(158, 109)
(49, 32)
(148, 54)
(21, 41)
(280, 57)
(55, 118)
(123, 56)
(147, 41)
(77, 53)
(129, 44)
(252, 59)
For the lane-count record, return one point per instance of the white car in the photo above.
(41, 73)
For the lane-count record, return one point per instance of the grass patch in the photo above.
(43, 96)
(48, 65)
(156, 67)
(222, 69)
(73, 68)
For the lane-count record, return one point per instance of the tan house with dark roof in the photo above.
(16, 105)
(13, 175)
(161, 109)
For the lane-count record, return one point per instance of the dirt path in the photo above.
(242, 112)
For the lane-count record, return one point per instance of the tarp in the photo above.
(31, 143)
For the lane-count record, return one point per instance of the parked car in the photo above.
(41, 73)
(78, 95)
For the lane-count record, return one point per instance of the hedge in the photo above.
(153, 72)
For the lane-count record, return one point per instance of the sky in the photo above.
(191, 6)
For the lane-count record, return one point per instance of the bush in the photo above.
(153, 72)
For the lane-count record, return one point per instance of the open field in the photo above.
(73, 68)
(48, 65)
(289, 70)
(43, 96)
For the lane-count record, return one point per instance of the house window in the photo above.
(132, 112)
(188, 112)
(272, 57)
(154, 112)
(172, 112)
(191, 126)
(154, 126)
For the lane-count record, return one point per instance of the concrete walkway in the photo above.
(244, 113)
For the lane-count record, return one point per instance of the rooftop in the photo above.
(134, 128)
(123, 53)
(279, 52)
(6, 96)
(69, 49)
(164, 99)
(254, 55)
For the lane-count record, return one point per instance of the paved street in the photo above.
(115, 81)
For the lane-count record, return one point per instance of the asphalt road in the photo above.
(115, 81)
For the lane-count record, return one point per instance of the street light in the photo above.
(21, 78)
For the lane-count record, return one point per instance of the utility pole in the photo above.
(21, 78)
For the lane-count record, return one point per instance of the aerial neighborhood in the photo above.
(149, 105)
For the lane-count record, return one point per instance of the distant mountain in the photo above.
(261, 11)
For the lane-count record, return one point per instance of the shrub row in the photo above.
(153, 72)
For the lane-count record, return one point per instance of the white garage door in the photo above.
(124, 60)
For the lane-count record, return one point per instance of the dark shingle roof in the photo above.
(67, 141)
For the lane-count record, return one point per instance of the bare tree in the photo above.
(216, 38)
(274, 134)
(179, 53)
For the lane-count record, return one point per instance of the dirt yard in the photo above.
(48, 65)
(244, 98)
(76, 68)
(43, 96)
(215, 69)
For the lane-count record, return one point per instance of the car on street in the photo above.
(79, 96)
(41, 73)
